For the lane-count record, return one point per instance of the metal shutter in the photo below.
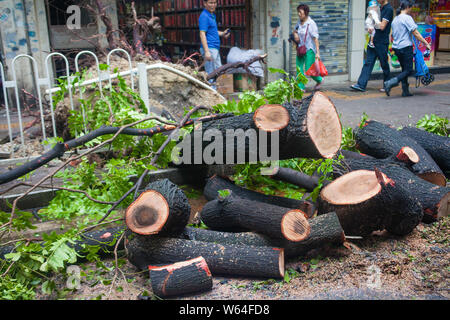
(332, 19)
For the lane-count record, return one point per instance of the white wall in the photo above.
(356, 38)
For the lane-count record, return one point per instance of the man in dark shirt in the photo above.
(381, 43)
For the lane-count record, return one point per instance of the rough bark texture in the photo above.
(434, 199)
(179, 209)
(300, 179)
(192, 276)
(325, 230)
(392, 208)
(294, 140)
(217, 183)
(437, 146)
(266, 262)
(381, 141)
(238, 214)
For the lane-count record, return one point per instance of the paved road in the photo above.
(395, 110)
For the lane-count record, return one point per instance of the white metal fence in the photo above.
(46, 84)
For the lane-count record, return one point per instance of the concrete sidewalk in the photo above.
(395, 110)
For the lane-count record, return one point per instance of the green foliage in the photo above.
(12, 289)
(434, 124)
(281, 91)
(224, 193)
(31, 263)
(348, 135)
(248, 102)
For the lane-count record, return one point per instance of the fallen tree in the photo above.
(267, 262)
(61, 147)
(162, 208)
(325, 230)
(382, 141)
(191, 276)
(233, 213)
(310, 129)
(437, 146)
(433, 199)
(367, 201)
(217, 183)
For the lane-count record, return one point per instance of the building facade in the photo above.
(38, 27)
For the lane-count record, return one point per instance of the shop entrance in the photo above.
(433, 20)
(179, 19)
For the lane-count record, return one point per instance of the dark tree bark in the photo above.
(237, 214)
(295, 177)
(367, 201)
(266, 262)
(192, 276)
(437, 146)
(162, 208)
(325, 230)
(381, 141)
(58, 150)
(434, 199)
(216, 183)
(310, 128)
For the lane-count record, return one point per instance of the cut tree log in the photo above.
(382, 141)
(162, 208)
(236, 214)
(437, 146)
(266, 262)
(217, 183)
(192, 276)
(325, 230)
(367, 201)
(435, 200)
(309, 128)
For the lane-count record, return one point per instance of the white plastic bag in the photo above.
(239, 55)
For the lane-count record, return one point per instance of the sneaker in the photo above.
(382, 90)
(357, 88)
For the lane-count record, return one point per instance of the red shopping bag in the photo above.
(314, 70)
(317, 69)
(323, 71)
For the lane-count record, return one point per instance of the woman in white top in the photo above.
(403, 28)
(306, 33)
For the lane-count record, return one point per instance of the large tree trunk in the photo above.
(192, 276)
(437, 146)
(367, 201)
(381, 141)
(325, 230)
(236, 214)
(434, 199)
(310, 128)
(217, 183)
(267, 262)
(162, 208)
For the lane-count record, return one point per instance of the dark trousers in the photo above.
(405, 57)
(380, 52)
